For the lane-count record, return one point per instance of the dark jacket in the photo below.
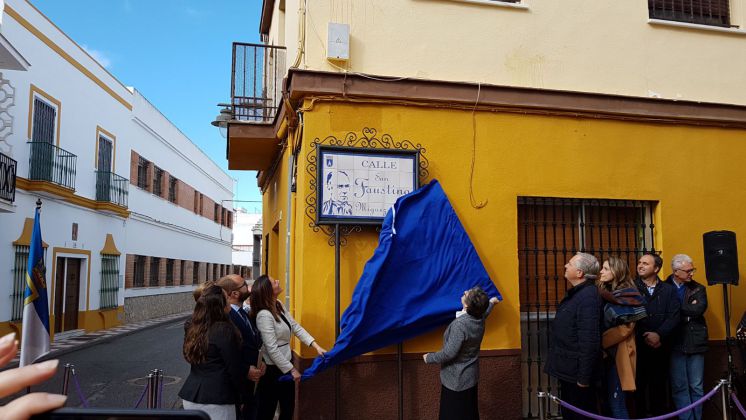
(690, 336)
(662, 308)
(575, 337)
(251, 340)
(218, 380)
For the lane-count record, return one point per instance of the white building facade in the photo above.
(133, 213)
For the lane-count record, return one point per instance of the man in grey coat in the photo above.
(459, 371)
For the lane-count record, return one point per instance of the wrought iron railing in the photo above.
(703, 12)
(256, 81)
(8, 167)
(112, 188)
(48, 162)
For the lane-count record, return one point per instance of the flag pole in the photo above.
(38, 209)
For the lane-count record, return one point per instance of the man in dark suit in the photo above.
(238, 291)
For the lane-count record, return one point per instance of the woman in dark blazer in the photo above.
(212, 347)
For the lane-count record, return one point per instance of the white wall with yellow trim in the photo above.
(91, 102)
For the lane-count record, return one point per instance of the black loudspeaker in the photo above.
(721, 257)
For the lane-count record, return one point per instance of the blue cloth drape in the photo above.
(414, 280)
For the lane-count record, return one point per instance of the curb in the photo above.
(147, 324)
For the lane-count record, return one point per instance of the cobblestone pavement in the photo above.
(66, 345)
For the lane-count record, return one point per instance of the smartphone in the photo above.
(120, 414)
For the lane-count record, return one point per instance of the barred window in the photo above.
(169, 272)
(44, 121)
(216, 213)
(157, 180)
(703, 12)
(183, 272)
(143, 167)
(215, 272)
(195, 273)
(139, 280)
(172, 183)
(19, 281)
(550, 232)
(196, 202)
(155, 274)
(109, 281)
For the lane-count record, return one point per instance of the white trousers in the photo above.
(215, 411)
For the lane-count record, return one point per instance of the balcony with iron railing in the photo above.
(8, 168)
(256, 81)
(112, 188)
(50, 163)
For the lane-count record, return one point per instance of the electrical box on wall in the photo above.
(338, 44)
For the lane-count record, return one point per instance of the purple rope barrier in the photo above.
(663, 417)
(77, 388)
(738, 404)
(144, 391)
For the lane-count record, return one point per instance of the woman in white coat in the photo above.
(276, 326)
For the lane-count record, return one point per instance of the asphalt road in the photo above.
(113, 374)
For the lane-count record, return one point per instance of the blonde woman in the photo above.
(623, 305)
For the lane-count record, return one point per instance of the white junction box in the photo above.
(338, 44)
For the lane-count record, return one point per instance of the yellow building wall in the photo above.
(694, 173)
(602, 46)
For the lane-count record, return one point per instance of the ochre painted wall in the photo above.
(694, 173)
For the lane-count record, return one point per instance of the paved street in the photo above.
(112, 374)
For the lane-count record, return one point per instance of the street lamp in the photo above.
(221, 121)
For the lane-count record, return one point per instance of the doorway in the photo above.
(67, 294)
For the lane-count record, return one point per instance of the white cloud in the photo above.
(99, 56)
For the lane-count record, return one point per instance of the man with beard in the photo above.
(238, 291)
(654, 336)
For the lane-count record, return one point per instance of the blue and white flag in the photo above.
(35, 333)
(414, 281)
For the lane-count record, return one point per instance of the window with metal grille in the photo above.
(19, 281)
(139, 270)
(155, 273)
(195, 273)
(44, 121)
(157, 181)
(143, 167)
(216, 213)
(109, 281)
(172, 183)
(169, 272)
(183, 272)
(196, 202)
(215, 272)
(201, 204)
(550, 232)
(703, 12)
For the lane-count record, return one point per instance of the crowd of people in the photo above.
(237, 343)
(618, 341)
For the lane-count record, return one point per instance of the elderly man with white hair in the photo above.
(575, 340)
(689, 339)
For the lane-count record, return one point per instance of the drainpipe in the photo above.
(292, 130)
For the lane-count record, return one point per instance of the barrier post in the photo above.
(158, 382)
(543, 405)
(151, 390)
(724, 390)
(66, 378)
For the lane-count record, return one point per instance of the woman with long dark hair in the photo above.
(276, 327)
(623, 306)
(212, 347)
